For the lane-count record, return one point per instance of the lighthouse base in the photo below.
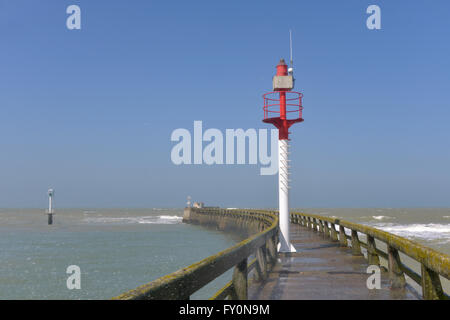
(285, 250)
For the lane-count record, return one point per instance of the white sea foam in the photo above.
(170, 217)
(430, 231)
(382, 217)
(164, 219)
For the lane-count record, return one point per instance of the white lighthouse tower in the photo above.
(51, 194)
(283, 108)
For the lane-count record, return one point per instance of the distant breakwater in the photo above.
(243, 226)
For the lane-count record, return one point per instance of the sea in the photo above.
(120, 249)
(116, 250)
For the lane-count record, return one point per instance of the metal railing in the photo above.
(293, 101)
(433, 263)
(184, 282)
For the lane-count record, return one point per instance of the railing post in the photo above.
(308, 222)
(342, 237)
(271, 251)
(261, 263)
(326, 229)
(319, 222)
(303, 221)
(240, 281)
(314, 224)
(431, 285)
(356, 247)
(396, 276)
(372, 255)
(334, 236)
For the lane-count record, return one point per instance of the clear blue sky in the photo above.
(90, 112)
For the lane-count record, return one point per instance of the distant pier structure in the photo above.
(50, 211)
(199, 205)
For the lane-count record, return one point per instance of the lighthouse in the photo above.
(282, 108)
(50, 211)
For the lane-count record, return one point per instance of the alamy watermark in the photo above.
(374, 280)
(373, 22)
(235, 147)
(74, 280)
(73, 21)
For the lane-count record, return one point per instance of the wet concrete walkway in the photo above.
(321, 269)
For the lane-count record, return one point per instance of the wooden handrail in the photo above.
(433, 263)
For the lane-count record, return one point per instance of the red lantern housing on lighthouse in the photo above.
(283, 107)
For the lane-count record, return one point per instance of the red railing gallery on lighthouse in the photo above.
(283, 108)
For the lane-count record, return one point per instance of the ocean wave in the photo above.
(164, 219)
(382, 217)
(429, 231)
(170, 217)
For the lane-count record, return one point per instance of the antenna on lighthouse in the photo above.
(291, 61)
(50, 211)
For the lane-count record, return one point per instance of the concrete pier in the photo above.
(321, 269)
(331, 261)
(242, 227)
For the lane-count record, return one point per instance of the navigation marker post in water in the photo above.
(50, 211)
(283, 108)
